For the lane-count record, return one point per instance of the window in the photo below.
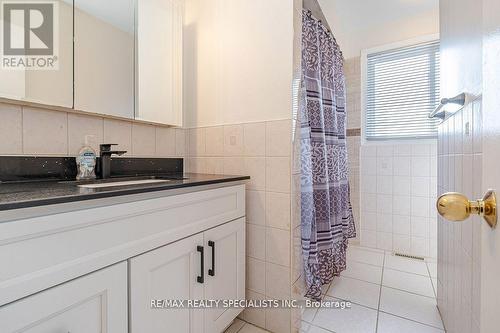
(402, 88)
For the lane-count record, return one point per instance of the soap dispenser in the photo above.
(86, 161)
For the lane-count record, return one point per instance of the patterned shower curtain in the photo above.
(326, 218)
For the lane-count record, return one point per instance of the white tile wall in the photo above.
(459, 265)
(397, 187)
(261, 150)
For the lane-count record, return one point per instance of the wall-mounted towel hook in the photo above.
(458, 100)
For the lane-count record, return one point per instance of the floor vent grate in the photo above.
(398, 254)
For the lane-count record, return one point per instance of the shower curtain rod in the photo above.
(315, 8)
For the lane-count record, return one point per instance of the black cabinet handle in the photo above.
(201, 278)
(211, 271)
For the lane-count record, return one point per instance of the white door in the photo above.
(169, 273)
(225, 257)
(95, 303)
(490, 246)
(469, 159)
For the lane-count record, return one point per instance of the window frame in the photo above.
(364, 77)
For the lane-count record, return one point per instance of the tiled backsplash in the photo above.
(398, 194)
(459, 246)
(30, 131)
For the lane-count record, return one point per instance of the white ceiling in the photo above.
(361, 19)
(362, 14)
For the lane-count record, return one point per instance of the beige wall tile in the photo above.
(214, 165)
(166, 142)
(196, 142)
(79, 126)
(11, 129)
(45, 132)
(196, 165)
(278, 174)
(278, 246)
(278, 210)
(180, 142)
(277, 281)
(233, 140)
(256, 207)
(143, 140)
(278, 320)
(255, 167)
(255, 139)
(254, 316)
(119, 132)
(256, 241)
(256, 275)
(214, 141)
(278, 138)
(234, 165)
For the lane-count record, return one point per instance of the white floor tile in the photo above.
(406, 265)
(359, 247)
(413, 283)
(391, 324)
(418, 308)
(356, 291)
(315, 329)
(435, 285)
(309, 314)
(432, 269)
(324, 288)
(357, 319)
(249, 328)
(365, 272)
(365, 256)
(235, 326)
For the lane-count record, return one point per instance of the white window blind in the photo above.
(402, 88)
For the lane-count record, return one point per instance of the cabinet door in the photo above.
(159, 61)
(94, 303)
(225, 258)
(104, 57)
(168, 273)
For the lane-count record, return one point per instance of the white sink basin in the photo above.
(125, 183)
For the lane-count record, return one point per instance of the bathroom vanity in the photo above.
(99, 263)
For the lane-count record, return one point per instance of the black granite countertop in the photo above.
(15, 195)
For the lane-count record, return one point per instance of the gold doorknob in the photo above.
(457, 207)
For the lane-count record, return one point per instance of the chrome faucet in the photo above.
(105, 153)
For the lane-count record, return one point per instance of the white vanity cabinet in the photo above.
(168, 273)
(96, 266)
(226, 272)
(94, 303)
(209, 265)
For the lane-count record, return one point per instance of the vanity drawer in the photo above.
(91, 304)
(41, 252)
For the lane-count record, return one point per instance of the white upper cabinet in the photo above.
(37, 63)
(159, 61)
(104, 56)
(118, 58)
